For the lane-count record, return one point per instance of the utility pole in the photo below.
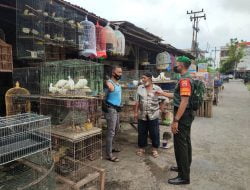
(195, 16)
(215, 53)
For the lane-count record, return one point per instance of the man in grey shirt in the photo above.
(147, 111)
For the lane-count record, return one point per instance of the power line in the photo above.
(195, 17)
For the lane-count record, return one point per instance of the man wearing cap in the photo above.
(147, 111)
(181, 126)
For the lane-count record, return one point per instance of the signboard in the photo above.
(192, 68)
(202, 67)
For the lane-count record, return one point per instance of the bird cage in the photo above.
(120, 39)
(110, 39)
(34, 172)
(100, 41)
(77, 159)
(88, 39)
(15, 105)
(72, 115)
(29, 77)
(70, 26)
(6, 59)
(144, 57)
(25, 159)
(74, 78)
(30, 29)
(23, 135)
(163, 60)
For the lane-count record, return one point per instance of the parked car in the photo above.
(230, 76)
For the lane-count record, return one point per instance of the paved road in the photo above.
(221, 152)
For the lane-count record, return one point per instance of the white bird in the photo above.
(52, 89)
(135, 82)
(70, 85)
(61, 83)
(81, 84)
(87, 89)
(62, 91)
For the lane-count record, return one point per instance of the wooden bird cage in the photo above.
(6, 59)
(15, 104)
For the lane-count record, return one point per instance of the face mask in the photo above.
(176, 69)
(117, 77)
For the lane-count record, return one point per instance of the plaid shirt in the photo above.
(149, 102)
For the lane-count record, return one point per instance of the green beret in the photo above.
(183, 59)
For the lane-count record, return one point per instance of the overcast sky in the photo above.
(168, 19)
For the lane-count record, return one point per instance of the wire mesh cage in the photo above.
(70, 27)
(34, 172)
(120, 45)
(77, 159)
(54, 14)
(110, 39)
(13, 104)
(23, 135)
(88, 39)
(30, 29)
(163, 60)
(84, 78)
(28, 77)
(100, 41)
(6, 60)
(72, 115)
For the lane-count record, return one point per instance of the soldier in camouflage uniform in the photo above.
(183, 118)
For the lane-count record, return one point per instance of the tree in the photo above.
(235, 54)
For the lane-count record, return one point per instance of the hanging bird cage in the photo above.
(120, 45)
(163, 60)
(110, 39)
(144, 58)
(6, 60)
(14, 104)
(100, 41)
(88, 39)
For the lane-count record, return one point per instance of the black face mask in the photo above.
(176, 70)
(117, 77)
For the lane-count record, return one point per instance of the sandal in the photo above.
(113, 159)
(155, 153)
(140, 152)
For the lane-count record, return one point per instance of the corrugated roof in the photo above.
(138, 30)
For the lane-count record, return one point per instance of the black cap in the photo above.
(148, 74)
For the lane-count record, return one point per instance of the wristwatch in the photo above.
(176, 120)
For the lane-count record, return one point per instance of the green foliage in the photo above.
(235, 54)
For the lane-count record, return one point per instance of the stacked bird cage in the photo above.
(22, 135)
(77, 159)
(72, 78)
(25, 159)
(30, 29)
(14, 105)
(72, 115)
(6, 60)
(28, 77)
(70, 26)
